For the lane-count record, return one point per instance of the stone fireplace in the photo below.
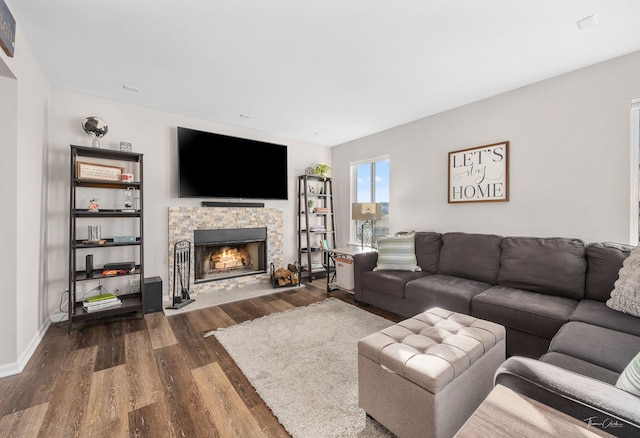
(185, 221)
(227, 253)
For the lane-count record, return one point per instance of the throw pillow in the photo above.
(398, 253)
(629, 380)
(625, 296)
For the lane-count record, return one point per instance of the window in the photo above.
(370, 183)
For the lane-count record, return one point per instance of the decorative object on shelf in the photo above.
(125, 146)
(93, 206)
(310, 171)
(367, 212)
(479, 174)
(99, 172)
(124, 239)
(322, 170)
(127, 177)
(96, 128)
(311, 189)
(95, 233)
(310, 203)
(128, 198)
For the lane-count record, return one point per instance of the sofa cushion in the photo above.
(600, 346)
(553, 266)
(397, 253)
(630, 378)
(604, 261)
(451, 293)
(428, 250)
(597, 313)
(580, 366)
(625, 297)
(389, 282)
(470, 256)
(530, 312)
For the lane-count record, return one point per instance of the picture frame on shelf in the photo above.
(98, 172)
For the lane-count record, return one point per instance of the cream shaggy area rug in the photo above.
(303, 363)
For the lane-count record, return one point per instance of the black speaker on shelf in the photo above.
(88, 261)
(152, 296)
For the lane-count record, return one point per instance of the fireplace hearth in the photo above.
(227, 253)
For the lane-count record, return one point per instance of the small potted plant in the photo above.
(322, 170)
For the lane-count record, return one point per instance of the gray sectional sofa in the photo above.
(549, 293)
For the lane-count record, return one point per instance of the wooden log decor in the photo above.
(284, 276)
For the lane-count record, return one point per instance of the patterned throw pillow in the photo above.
(629, 380)
(625, 296)
(398, 253)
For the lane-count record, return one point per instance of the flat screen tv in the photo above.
(220, 166)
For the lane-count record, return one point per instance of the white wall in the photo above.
(154, 134)
(8, 198)
(569, 159)
(24, 113)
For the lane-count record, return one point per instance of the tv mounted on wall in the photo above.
(220, 166)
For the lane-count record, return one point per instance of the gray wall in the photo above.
(569, 159)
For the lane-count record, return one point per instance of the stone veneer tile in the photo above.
(183, 220)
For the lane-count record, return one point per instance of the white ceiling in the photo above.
(325, 71)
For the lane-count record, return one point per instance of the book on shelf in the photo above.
(101, 297)
(103, 306)
(314, 267)
(101, 302)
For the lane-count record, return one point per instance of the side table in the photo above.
(341, 257)
(505, 413)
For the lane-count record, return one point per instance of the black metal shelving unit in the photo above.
(131, 302)
(314, 226)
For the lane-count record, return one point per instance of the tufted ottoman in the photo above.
(424, 376)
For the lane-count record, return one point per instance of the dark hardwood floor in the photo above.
(155, 376)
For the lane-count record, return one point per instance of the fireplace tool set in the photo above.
(181, 274)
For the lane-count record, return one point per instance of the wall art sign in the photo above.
(7, 30)
(99, 172)
(479, 174)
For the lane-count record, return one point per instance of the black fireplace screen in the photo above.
(226, 253)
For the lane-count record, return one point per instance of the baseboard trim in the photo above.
(14, 368)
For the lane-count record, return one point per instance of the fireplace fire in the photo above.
(229, 253)
(226, 258)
